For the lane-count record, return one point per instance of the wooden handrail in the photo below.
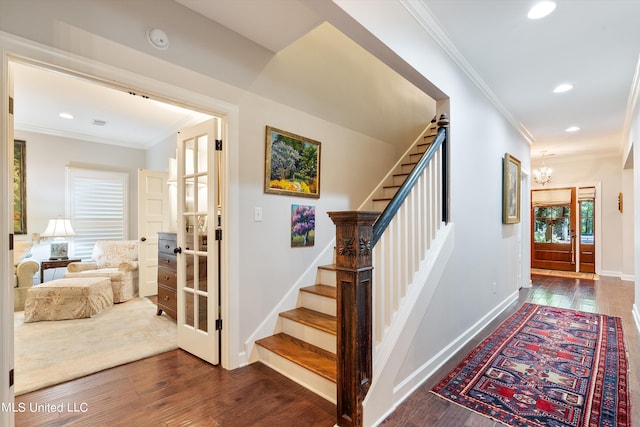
(392, 208)
(357, 232)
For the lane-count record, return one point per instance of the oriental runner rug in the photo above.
(546, 366)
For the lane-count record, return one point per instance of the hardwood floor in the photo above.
(177, 389)
(608, 296)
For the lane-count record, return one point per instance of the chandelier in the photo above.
(543, 174)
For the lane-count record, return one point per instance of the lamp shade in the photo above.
(58, 228)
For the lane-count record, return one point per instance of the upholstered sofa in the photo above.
(115, 259)
(24, 268)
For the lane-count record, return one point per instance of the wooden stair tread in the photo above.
(385, 199)
(331, 267)
(315, 359)
(322, 290)
(314, 319)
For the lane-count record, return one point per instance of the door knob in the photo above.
(143, 239)
(177, 251)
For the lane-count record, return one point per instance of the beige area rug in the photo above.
(48, 353)
(572, 274)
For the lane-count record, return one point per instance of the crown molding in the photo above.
(427, 20)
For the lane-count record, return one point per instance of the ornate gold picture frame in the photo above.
(292, 164)
(19, 187)
(510, 189)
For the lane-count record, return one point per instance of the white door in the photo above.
(153, 211)
(198, 219)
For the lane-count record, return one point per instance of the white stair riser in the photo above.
(297, 373)
(326, 277)
(317, 302)
(308, 334)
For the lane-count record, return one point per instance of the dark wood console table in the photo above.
(46, 264)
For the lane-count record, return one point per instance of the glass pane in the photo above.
(188, 309)
(551, 224)
(190, 270)
(189, 158)
(202, 229)
(202, 274)
(189, 195)
(202, 193)
(202, 313)
(202, 154)
(586, 222)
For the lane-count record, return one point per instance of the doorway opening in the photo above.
(76, 141)
(563, 229)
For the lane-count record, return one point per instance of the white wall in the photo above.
(482, 272)
(588, 171)
(351, 164)
(47, 159)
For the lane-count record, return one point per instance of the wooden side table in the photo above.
(46, 264)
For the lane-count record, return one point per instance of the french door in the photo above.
(553, 229)
(197, 252)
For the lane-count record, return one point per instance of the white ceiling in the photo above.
(131, 120)
(593, 44)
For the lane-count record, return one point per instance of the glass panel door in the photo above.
(197, 259)
(553, 232)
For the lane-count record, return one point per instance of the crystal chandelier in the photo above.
(543, 174)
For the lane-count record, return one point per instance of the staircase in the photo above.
(304, 345)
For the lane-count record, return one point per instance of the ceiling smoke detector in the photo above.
(158, 38)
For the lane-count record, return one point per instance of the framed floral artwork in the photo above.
(19, 187)
(303, 225)
(292, 164)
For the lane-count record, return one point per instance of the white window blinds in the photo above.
(98, 207)
(551, 197)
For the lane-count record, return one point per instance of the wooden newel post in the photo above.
(354, 337)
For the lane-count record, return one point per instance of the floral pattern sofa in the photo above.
(115, 259)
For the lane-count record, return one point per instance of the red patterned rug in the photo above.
(546, 366)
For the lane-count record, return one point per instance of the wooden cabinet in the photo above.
(167, 274)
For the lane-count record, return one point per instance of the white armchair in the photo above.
(117, 260)
(24, 268)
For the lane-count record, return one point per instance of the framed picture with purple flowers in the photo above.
(303, 225)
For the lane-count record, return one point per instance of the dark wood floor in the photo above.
(177, 389)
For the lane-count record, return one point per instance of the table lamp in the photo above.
(59, 229)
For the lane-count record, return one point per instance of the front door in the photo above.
(553, 229)
(198, 225)
(586, 206)
(153, 210)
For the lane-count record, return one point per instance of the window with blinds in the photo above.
(97, 207)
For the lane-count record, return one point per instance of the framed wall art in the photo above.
(292, 164)
(510, 190)
(303, 225)
(19, 187)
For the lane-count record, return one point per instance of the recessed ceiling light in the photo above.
(564, 87)
(541, 9)
(65, 116)
(572, 129)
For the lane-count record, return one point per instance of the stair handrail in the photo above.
(355, 241)
(398, 199)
